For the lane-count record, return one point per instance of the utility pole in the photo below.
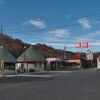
(65, 51)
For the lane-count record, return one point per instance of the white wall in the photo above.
(98, 63)
(37, 67)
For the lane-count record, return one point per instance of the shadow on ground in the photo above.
(20, 79)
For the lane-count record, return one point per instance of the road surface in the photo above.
(79, 85)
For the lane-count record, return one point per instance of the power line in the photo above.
(52, 27)
(74, 19)
(90, 15)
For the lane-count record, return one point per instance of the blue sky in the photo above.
(53, 22)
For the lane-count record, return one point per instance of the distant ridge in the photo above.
(17, 47)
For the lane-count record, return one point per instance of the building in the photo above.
(98, 62)
(71, 63)
(53, 63)
(75, 63)
(31, 60)
(7, 58)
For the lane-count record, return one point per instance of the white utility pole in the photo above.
(65, 51)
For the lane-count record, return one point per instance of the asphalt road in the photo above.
(79, 85)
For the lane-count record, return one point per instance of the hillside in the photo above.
(48, 51)
(16, 47)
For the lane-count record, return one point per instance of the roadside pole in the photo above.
(2, 67)
(65, 51)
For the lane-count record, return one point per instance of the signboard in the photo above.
(81, 45)
(85, 44)
(78, 45)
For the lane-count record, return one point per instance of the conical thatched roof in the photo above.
(6, 55)
(31, 55)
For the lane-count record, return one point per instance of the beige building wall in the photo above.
(98, 63)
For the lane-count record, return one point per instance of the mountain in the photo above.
(48, 51)
(16, 47)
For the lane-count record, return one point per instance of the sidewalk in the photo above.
(9, 72)
(45, 74)
(12, 73)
